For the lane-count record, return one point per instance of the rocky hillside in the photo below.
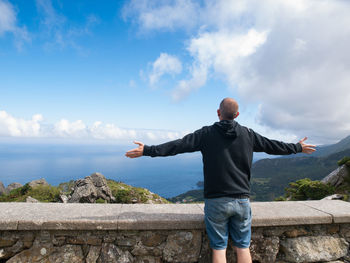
(92, 189)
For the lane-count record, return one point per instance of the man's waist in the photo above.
(236, 196)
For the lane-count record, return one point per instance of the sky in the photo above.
(118, 71)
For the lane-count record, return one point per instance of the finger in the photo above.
(304, 139)
(139, 143)
(133, 150)
(309, 145)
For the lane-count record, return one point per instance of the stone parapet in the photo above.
(310, 231)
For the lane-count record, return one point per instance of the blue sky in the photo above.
(155, 70)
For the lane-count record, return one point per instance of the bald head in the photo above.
(228, 109)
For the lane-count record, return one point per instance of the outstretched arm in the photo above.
(263, 144)
(190, 143)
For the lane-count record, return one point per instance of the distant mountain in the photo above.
(333, 148)
(271, 176)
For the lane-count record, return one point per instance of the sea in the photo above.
(57, 163)
(166, 176)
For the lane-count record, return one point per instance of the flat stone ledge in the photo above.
(58, 216)
(339, 210)
(161, 216)
(287, 213)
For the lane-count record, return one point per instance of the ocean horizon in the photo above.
(166, 176)
(58, 163)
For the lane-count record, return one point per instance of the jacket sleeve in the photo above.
(263, 144)
(190, 143)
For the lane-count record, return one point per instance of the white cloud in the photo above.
(164, 64)
(220, 51)
(289, 56)
(11, 126)
(8, 24)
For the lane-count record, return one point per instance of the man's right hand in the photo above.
(307, 148)
(137, 152)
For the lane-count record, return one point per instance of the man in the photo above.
(227, 149)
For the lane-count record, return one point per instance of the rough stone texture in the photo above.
(13, 186)
(93, 254)
(30, 199)
(182, 247)
(37, 253)
(314, 249)
(295, 232)
(91, 188)
(90, 232)
(66, 254)
(336, 178)
(151, 239)
(264, 249)
(2, 189)
(111, 253)
(148, 259)
(64, 199)
(40, 182)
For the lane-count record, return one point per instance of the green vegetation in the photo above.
(122, 192)
(127, 194)
(345, 160)
(41, 193)
(306, 189)
(281, 171)
(192, 196)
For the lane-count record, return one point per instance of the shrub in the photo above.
(306, 189)
(345, 160)
(45, 193)
(100, 201)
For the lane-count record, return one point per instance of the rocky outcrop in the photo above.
(13, 186)
(30, 199)
(40, 182)
(91, 188)
(2, 189)
(337, 177)
(334, 197)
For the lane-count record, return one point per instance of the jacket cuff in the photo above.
(146, 150)
(299, 148)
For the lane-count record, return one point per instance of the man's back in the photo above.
(227, 149)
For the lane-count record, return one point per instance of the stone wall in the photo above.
(312, 231)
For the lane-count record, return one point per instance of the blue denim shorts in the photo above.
(226, 216)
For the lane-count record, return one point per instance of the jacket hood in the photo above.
(227, 128)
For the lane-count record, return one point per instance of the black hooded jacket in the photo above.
(227, 149)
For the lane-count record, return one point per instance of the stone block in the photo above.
(111, 253)
(296, 232)
(313, 249)
(183, 246)
(264, 249)
(94, 253)
(67, 254)
(152, 239)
